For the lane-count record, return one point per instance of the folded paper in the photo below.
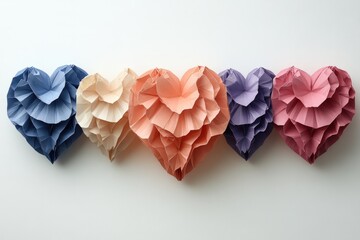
(102, 111)
(311, 112)
(43, 107)
(249, 101)
(179, 120)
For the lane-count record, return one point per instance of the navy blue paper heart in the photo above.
(249, 101)
(43, 107)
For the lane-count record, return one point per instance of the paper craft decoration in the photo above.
(179, 120)
(249, 101)
(42, 108)
(102, 111)
(311, 112)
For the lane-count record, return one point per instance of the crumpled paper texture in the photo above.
(102, 111)
(311, 112)
(249, 101)
(42, 108)
(179, 120)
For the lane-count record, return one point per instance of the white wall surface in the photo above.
(276, 195)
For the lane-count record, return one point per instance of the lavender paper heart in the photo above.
(249, 101)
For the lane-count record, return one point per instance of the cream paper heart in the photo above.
(102, 108)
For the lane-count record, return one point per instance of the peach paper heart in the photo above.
(102, 111)
(179, 120)
(311, 112)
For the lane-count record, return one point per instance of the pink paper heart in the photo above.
(179, 120)
(311, 112)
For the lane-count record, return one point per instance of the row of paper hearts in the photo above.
(180, 119)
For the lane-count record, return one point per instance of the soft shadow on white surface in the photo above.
(215, 164)
(71, 154)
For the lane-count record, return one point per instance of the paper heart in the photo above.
(249, 101)
(42, 108)
(179, 120)
(102, 108)
(311, 112)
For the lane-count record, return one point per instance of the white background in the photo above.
(276, 195)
